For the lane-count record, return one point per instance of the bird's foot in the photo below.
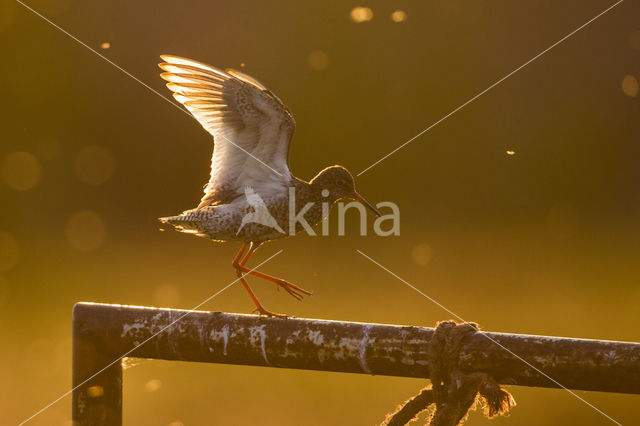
(295, 291)
(262, 311)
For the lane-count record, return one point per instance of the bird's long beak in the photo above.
(359, 198)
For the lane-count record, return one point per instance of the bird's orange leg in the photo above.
(237, 265)
(259, 308)
(235, 262)
(295, 291)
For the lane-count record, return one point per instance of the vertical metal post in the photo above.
(96, 400)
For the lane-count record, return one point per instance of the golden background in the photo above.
(542, 241)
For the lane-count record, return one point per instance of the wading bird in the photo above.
(251, 197)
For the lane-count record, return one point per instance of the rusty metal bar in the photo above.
(102, 333)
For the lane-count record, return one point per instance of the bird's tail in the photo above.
(171, 220)
(180, 223)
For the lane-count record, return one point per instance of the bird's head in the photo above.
(340, 184)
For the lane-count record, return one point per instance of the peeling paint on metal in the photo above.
(364, 342)
(321, 355)
(225, 338)
(256, 334)
(352, 347)
(133, 329)
(289, 354)
(407, 361)
(315, 336)
(220, 336)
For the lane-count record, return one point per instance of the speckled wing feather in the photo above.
(252, 128)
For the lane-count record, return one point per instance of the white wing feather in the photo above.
(252, 128)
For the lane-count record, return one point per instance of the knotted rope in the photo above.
(451, 391)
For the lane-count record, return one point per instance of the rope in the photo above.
(451, 391)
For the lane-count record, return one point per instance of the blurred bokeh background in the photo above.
(519, 212)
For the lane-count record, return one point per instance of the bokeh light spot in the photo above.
(361, 14)
(94, 165)
(105, 45)
(95, 391)
(153, 385)
(421, 254)
(9, 251)
(630, 85)
(318, 60)
(166, 295)
(510, 152)
(20, 171)
(85, 230)
(399, 16)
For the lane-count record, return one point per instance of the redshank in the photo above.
(251, 193)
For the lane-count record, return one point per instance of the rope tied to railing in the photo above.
(452, 392)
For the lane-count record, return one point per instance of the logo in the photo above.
(260, 214)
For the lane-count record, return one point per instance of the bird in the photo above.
(260, 214)
(251, 194)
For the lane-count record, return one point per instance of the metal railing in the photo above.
(103, 334)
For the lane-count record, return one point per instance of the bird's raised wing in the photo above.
(252, 128)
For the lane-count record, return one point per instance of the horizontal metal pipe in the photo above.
(352, 347)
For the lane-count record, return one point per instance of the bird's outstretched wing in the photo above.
(252, 128)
